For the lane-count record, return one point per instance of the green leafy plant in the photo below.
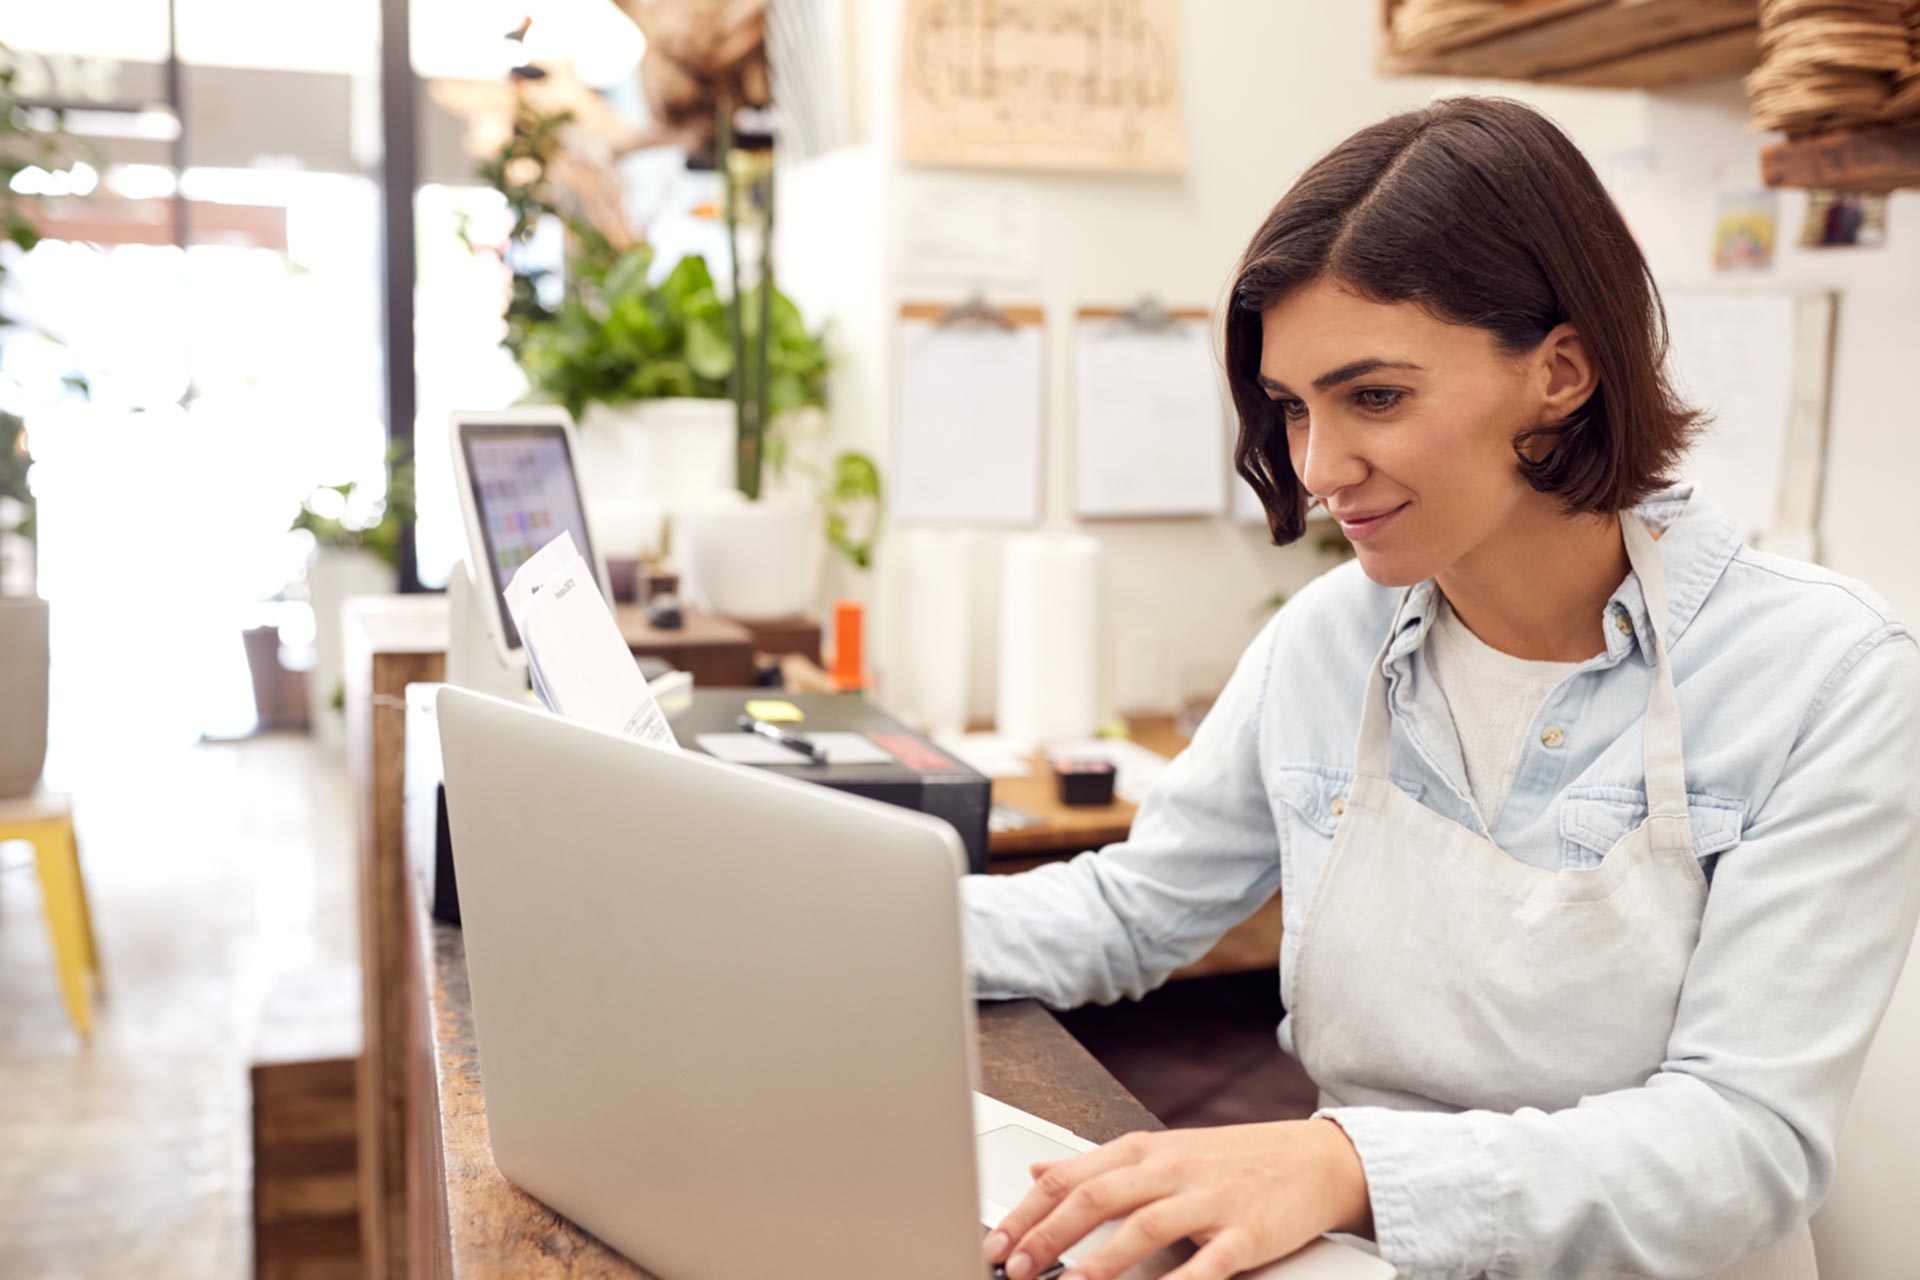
(22, 147)
(15, 462)
(614, 334)
(376, 529)
(523, 172)
(617, 338)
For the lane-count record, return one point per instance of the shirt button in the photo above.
(1339, 805)
(1623, 623)
(1553, 737)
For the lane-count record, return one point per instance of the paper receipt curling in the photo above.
(579, 662)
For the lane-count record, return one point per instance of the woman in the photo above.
(1579, 1002)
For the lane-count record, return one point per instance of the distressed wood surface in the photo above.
(390, 642)
(1591, 43)
(1027, 1059)
(1877, 159)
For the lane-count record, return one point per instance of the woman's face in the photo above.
(1401, 424)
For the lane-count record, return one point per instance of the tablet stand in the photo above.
(474, 660)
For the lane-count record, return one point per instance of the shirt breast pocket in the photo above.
(1311, 799)
(1594, 819)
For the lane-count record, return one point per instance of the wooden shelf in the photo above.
(1871, 159)
(1612, 44)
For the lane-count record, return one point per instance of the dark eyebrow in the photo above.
(1345, 373)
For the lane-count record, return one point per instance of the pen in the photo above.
(792, 741)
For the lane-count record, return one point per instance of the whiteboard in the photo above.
(967, 442)
(1758, 362)
(1149, 420)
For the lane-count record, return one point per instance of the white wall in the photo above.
(1271, 84)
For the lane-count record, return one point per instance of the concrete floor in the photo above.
(212, 869)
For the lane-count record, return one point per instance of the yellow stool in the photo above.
(45, 821)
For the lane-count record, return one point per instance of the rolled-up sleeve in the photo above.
(1202, 856)
(1731, 1144)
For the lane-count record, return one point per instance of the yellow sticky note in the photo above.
(774, 711)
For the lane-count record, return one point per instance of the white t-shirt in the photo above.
(1494, 697)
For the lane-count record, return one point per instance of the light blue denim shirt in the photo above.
(1800, 706)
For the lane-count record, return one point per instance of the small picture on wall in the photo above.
(1743, 232)
(1844, 219)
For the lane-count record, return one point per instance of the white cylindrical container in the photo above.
(936, 624)
(1049, 632)
(751, 560)
(667, 452)
(333, 577)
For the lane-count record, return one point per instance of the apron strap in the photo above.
(1664, 761)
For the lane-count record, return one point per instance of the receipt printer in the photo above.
(914, 773)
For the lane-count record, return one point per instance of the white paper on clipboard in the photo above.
(1758, 361)
(967, 448)
(1149, 420)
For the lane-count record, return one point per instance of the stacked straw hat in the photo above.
(1418, 24)
(1905, 102)
(1828, 63)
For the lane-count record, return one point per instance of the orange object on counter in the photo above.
(849, 660)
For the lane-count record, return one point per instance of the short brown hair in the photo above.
(1484, 213)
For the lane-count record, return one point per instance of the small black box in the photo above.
(1083, 781)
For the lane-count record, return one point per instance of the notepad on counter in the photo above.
(751, 748)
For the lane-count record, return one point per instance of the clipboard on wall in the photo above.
(1760, 361)
(967, 435)
(1150, 416)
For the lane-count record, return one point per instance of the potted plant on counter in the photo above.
(694, 401)
(24, 619)
(356, 552)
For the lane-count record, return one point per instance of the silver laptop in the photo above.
(723, 1018)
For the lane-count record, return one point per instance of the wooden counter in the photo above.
(470, 1222)
(394, 641)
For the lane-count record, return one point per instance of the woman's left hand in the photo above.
(1247, 1193)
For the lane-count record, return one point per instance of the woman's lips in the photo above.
(1359, 528)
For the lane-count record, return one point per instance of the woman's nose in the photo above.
(1326, 465)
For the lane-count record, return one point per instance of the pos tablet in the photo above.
(519, 485)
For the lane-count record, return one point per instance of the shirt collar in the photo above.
(1697, 540)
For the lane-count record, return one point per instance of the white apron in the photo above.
(1437, 973)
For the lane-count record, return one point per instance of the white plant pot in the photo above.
(23, 695)
(332, 577)
(668, 453)
(752, 560)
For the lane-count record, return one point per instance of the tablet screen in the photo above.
(526, 495)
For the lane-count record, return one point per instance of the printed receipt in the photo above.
(579, 662)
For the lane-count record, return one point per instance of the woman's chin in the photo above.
(1393, 567)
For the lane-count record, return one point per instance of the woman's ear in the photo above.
(1568, 377)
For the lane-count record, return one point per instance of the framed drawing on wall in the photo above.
(1051, 84)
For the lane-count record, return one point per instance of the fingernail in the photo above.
(1074, 1275)
(1019, 1267)
(996, 1244)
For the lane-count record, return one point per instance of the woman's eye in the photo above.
(1378, 399)
(1291, 410)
